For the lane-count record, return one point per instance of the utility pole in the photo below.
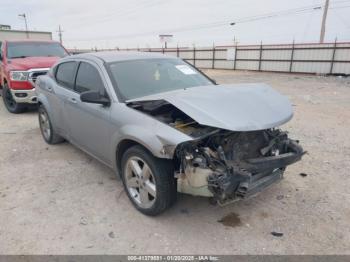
(25, 22)
(60, 33)
(324, 19)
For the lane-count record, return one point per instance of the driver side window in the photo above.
(88, 79)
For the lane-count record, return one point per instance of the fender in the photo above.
(132, 132)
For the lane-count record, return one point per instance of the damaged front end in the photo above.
(227, 165)
(234, 165)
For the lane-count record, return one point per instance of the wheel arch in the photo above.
(122, 147)
(43, 101)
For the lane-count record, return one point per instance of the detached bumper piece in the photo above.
(258, 184)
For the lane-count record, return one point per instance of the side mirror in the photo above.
(94, 97)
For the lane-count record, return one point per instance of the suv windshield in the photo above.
(138, 78)
(25, 49)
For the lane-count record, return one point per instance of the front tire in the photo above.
(148, 181)
(11, 105)
(47, 131)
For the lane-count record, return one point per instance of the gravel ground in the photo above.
(58, 200)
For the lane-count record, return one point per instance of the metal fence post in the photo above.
(213, 60)
(194, 56)
(234, 61)
(177, 50)
(333, 56)
(291, 58)
(260, 56)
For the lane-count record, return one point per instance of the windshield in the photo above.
(138, 78)
(25, 49)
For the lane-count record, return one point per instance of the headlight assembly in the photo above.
(19, 75)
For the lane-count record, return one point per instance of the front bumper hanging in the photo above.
(251, 176)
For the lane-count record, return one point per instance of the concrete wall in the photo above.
(22, 35)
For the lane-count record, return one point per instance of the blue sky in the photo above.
(133, 23)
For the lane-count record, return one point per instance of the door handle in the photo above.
(72, 100)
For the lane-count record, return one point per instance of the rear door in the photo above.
(89, 124)
(60, 93)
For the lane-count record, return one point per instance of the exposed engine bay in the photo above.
(224, 164)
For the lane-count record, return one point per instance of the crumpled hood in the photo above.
(236, 107)
(32, 62)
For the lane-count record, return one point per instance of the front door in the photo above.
(89, 124)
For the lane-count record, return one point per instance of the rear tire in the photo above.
(148, 181)
(11, 105)
(47, 131)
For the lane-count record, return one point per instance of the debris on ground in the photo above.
(280, 197)
(303, 174)
(277, 234)
(111, 234)
(83, 221)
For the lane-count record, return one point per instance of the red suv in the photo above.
(21, 62)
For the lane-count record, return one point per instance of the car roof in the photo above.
(115, 56)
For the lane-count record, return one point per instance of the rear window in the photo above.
(34, 49)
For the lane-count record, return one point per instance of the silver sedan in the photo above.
(165, 127)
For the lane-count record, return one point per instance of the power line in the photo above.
(216, 24)
(248, 19)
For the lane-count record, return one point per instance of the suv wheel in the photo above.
(11, 105)
(148, 181)
(47, 131)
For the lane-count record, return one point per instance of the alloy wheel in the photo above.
(45, 124)
(140, 182)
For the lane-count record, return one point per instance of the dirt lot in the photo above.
(58, 200)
